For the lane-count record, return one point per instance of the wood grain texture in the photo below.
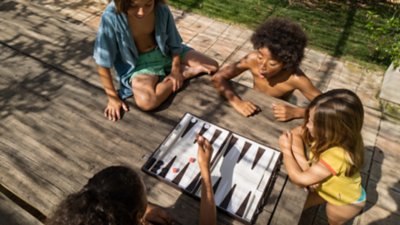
(53, 135)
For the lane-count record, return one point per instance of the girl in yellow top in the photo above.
(332, 133)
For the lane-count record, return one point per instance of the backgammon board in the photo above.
(242, 171)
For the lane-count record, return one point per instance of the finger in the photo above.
(200, 140)
(207, 144)
(112, 115)
(109, 114)
(252, 108)
(118, 114)
(125, 107)
(106, 112)
(176, 85)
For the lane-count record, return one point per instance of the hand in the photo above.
(157, 215)
(283, 112)
(176, 78)
(246, 108)
(113, 109)
(285, 142)
(313, 187)
(204, 153)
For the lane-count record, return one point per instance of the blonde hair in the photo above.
(338, 121)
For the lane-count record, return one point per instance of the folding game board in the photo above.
(242, 170)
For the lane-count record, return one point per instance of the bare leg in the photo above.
(149, 94)
(313, 199)
(338, 215)
(195, 63)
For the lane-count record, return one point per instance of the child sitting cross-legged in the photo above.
(139, 39)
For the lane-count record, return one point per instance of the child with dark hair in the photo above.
(140, 40)
(279, 48)
(326, 154)
(117, 196)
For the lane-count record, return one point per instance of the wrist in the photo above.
(113, 98)
(234, 100)
(205, 175)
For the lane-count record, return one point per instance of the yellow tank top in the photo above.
(338, 189)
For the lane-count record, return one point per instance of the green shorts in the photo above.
(154, 63)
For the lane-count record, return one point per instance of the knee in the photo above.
(146, 102)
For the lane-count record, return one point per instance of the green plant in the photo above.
(386, 37)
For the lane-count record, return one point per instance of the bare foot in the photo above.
(189, 72)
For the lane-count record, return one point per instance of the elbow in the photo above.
(216, 80)
(298, 180)
(298, 183)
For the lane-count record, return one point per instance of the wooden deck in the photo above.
(53, 135)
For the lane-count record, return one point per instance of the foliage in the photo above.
(386, 37)
(336, 27)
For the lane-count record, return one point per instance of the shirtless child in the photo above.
(140, 40)
(279, 48)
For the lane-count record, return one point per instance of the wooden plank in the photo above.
(55, 137)
(49, 37)
(68, 139)
(290, 205)
(12, 214)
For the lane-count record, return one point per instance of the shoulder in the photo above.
(163, 9)
(109, 15)
(298, 77)
(337, 153)
(335, 150)
(110, 11)
(299, 80)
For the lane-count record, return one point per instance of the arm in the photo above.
(208, 212)
(105, 51)
(315, 174)
(176, 76)
(114, 105)
(305, 86)
(221, 84)
(298, 148)
(156, 214)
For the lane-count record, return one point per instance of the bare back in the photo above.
(142, 31)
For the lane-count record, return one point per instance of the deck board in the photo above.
(53, 133)
(12, 214)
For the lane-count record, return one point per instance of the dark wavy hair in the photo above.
(113, 196)
(285, 40)
(123, 5)
(338, 120)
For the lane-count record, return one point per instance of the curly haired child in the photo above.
(332, 134)
(140, 40)
(279, 48)
(117, 196)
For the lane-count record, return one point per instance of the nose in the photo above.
(140, 12)
(263, 64)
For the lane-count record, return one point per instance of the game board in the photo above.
(242, 170)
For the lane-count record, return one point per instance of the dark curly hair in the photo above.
(111, 197)
(285, 40)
